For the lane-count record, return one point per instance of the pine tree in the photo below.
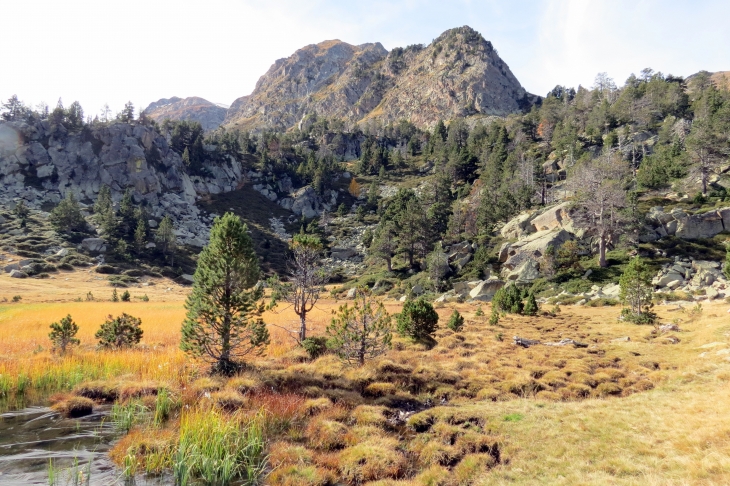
(726, 267)
(13, 109)
(67, 217)
(418, 320)
(373, 193)
(223, 322)
(456, 321)
(63, 334)
(360, 332)
(165, 236)
(126, 215)
(636, 292)
(121, 332)
(127, 114)
(104, 211)
(140, 235)
(186, 157)
(22, 212)
(531, 307)
(306, 282)
(385, 244)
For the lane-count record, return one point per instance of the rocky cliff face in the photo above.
(196, 109)
(41, 162)
(458, 74)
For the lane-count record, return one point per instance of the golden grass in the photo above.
(620, 412)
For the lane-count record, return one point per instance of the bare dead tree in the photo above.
(306, 281)
(703, 147)
(600, 199)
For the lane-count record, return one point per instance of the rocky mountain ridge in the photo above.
(459, 74)
(208, 114)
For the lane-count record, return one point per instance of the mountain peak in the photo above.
(458, 74)
(193, 108)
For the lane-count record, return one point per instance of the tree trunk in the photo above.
(602, 252)
(389, 261)
(303, 327)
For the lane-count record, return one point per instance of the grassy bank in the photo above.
(633, 408)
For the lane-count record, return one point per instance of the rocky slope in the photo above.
(196, 109)
(41, 162)
(459, 74)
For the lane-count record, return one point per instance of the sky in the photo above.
(114, 51)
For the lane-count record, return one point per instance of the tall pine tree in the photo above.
(223, 323)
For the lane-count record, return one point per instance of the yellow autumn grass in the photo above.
(676, 433)
(27, 362)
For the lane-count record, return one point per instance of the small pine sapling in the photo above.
(126, 296)
(121, 332)
(418, 320)
(115, 296)
(360, 332)
(494, 317)
(456, 321)
(63, 334)
(531, 307)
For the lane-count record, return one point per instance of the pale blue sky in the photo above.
(142, 50)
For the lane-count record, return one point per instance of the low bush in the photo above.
(315, 346)
(120, 332)
(105, 269)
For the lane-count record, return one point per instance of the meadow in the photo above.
(635, 407)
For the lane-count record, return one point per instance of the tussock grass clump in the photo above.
(471, 468)
(369, 415)
(74, 407)
(228, 400)
(372, 460)
(282, 452)
(244, 384)
(379, 389)
(362, 433)
(436, 452)
(315, 406)
(388, 366)
(489, 393)
(206, 384)
(324, 434)
(608, 388)
(128, 390)
(301, 475)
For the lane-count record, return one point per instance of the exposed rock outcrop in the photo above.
(41, 162)
(208, 114)
(683, 225)
(458, 75)
(692, 277)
